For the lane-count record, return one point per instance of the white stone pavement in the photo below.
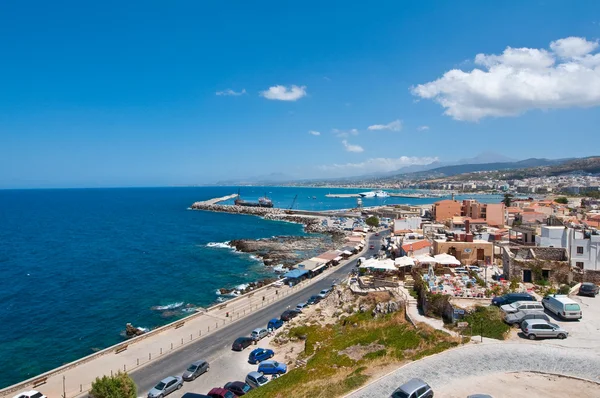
(488, 358)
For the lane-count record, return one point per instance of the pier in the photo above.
(214, 201)
(342, 195)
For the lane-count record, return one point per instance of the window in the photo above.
(579, 249)
(421, 391)
(579, 264)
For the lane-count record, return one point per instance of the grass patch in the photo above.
(486, 322)
(329, 374)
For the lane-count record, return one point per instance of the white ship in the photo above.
(375, 194)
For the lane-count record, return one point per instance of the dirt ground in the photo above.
(530, 385)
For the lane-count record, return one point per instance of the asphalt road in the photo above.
(216, 344)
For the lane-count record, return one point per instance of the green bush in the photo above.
(117, 386)
(486, 321)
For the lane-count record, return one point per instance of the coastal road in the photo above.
(217, 344)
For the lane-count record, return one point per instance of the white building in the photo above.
(554, 237)
(585, 250)
(583, 246)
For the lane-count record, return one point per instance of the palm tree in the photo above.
(507, 199)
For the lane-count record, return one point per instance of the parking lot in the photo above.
(584, 333)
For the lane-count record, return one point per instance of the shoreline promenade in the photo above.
(75, 379)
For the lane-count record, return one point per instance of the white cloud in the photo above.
(520, 79)
(352, 148)
(378, 164)
(312, 132)
(231, 92)
(396, 125)
(283, 93)
(423, 128)
(572, 47)
(345, 133)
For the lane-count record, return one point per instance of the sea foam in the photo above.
(168, 306)
(219, 245)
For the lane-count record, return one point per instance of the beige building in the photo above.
(477, 252)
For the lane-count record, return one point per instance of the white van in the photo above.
(562, 306)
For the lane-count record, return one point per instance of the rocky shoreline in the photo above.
(286, 251)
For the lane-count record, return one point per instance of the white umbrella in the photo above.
(426, 258)
(404, 262)
(446, 259)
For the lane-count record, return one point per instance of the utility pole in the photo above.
(64, 388)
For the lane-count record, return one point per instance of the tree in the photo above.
(562, 200)
(507, 199)
(117, 386)
(372, 221)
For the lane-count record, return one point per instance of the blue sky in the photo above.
(107, 94)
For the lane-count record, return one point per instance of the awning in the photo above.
(404, 262)
(446, 259)
(337, 259)
(426, 259)
(318, 268)
(295, 273)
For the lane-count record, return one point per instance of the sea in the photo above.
(77, 265)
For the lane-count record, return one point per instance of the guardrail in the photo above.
(139, 362)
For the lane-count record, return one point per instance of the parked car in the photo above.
(522, 305)
(511, 298)
(239, 388)
(194, 395)
(260, 354)
(324, 293)
(30, 394)
(414, 388)
(275, 324)
(524, 315)
(288, 315)
(588, 289)
(271, 367)
(195, 370)
(166, 386)
(256, 379)
(314, 300)
(562, 306)
(241, 342)
(219, 392)
(259, 333)
(538, 328)
(301, 306)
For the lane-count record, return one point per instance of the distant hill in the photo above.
(449, 171)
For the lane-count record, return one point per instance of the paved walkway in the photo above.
(488, 358)
(144, 349)
(416, 317)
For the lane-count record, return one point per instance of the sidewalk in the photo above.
(416, 317)
(76, 378)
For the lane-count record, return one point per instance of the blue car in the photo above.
(275, 323)
(272, 368)
(260, 354)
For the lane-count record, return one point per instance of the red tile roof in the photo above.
(417, 245)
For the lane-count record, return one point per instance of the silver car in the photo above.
(534, 328)
(414, 388)
(195, 370)
(256, 379)
(259, 333)
(166, 386)
(520, 316)
(522, 305)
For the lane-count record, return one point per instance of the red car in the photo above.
(372, 247)
(219, 392)
(377, 234)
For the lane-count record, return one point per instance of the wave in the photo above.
(279, 268)
(167, 307)
(189, 309)
(242, 286)
(220, 245)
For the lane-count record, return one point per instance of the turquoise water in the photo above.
(77, 265)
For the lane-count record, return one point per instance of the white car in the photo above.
(30, 394)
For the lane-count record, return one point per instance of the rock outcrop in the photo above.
(385, 308)
(132, 331)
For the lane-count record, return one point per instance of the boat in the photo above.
(262, 202)
(375, 194)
